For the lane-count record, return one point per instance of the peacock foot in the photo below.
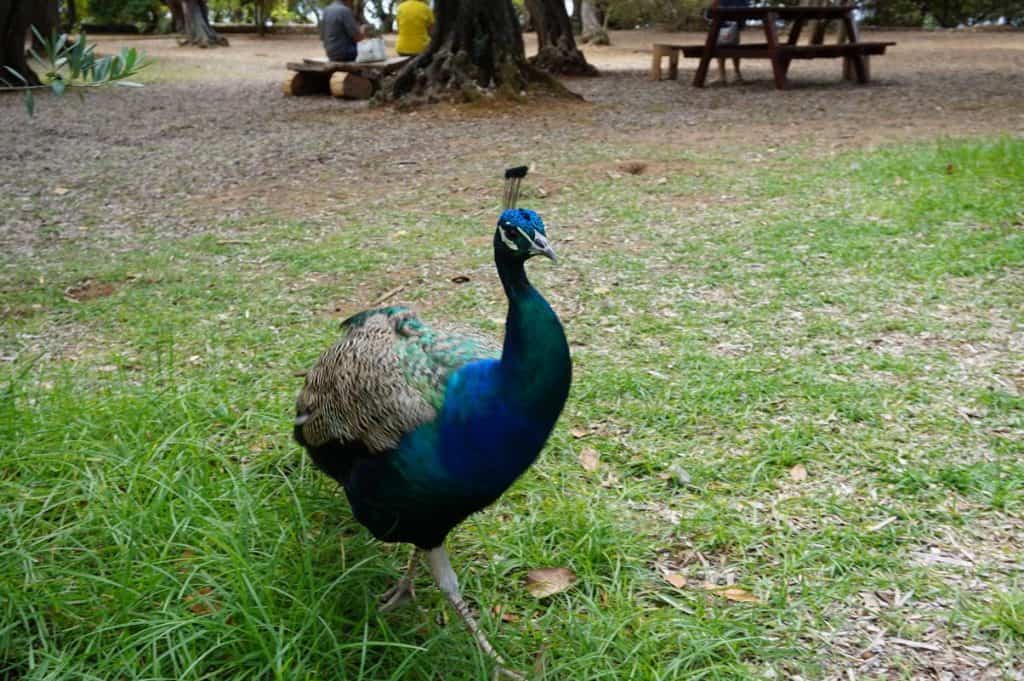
(401, 592)
(501, 672)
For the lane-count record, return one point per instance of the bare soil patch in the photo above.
(212, 138)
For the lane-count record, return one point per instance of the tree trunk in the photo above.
(70, 16)
(557, 52)
(476, 47)
(16, 16)
(260, 14)
(593, 30)
(192, 21)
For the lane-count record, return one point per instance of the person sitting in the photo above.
(729, 34)
(414, 23)
(339, 31)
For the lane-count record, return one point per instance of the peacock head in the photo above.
(520, 234)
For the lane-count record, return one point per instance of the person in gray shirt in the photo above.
(339, 31)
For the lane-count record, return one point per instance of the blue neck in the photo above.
(535, 366)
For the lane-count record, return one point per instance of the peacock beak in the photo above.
(539, 245)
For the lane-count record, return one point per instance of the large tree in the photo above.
(476, 47)
(556, 46)
(192, 21)
(16, 18)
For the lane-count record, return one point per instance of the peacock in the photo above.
(423, 428)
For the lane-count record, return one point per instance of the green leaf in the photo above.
(58, 86)
(128, 56)
(101, 70)
(76, 57)
(30, 102)
(17, 75)
(128, 83)
(62, 42)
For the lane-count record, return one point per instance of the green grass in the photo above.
(860, 318)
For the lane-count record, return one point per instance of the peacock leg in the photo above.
(441, 569)
(402, 590)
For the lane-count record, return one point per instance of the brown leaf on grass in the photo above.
(499, 612)
(88, 289)
(199, 602)
(675, 579)
(186, 557)
(579, 432)
(460, 279)
(590, 459)
(798, 473)
(734, 593)
(544, 582)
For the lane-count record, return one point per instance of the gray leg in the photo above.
(441, 569)
(402, 590)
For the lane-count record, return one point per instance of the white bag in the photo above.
(729, 34)
(371, 49)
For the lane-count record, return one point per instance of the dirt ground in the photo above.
(217, 138)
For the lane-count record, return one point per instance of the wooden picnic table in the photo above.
(848, 47)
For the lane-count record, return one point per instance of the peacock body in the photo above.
(422, 427)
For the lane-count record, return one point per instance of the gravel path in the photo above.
(211, 137)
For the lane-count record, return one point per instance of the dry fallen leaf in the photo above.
(460, 279)
(199, 602)
(590, 459)
(798, 473)
(544, 582)
(499, 612)
(734, 593)
(675, 579)
(579, 432)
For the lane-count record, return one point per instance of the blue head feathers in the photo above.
(521, 232)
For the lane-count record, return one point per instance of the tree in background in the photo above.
(944, 13)
(146, 13)
(68, 10)
(556, 47)
(192, 22)
(381, 10)
(477, 47)
(16, 18)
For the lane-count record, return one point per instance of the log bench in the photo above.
(350, 80)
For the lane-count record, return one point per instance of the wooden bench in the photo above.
(790, 52)
(350, 80)
(758, 51)
(762, 51)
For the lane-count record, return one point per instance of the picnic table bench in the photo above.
(849, 46)
(351, 80)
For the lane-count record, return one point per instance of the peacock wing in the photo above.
(432, 354)
(383, 378)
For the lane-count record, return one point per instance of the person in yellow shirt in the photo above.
(414, 23)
